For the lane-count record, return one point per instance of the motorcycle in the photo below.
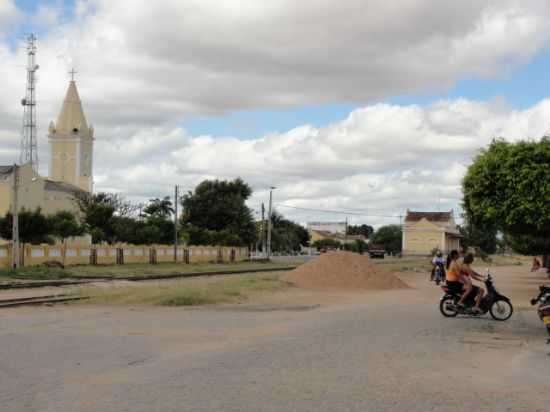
(439, 274)
(499, 306)
(543, 299)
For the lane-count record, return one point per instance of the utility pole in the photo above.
(402, 234)
(346, 232)
(176, 223)
(263, 230)
(15, 219)
(269, 222)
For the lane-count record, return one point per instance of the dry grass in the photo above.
(135, 269)
(186, 292)
(423, 264)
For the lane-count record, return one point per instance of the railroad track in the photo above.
(39, 300)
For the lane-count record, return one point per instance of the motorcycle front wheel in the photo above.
(501, 310)
(447, 307)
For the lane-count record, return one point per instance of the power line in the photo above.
(341, 212)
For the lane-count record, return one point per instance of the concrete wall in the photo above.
(34, 255)
(5, 256)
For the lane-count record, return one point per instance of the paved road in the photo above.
(376, 356)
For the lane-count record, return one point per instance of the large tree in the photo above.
(216, 213)
(508, 187)
(287, 236)
(97, 211)
(34, 227)
(159, 208)
(64, 224)
(365, 230)
(478, 234)
(390, 237)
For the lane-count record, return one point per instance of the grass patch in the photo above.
(423, 264)
(134, 270)
(185, 292)
(35, 273)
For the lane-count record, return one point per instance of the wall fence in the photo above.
(33, 255)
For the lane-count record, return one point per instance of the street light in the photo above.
(269, 222)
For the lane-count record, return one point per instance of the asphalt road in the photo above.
(387, 353)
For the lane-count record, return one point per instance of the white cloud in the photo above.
(143, 70)
(47, 16)
(381, 158)
(9, 16)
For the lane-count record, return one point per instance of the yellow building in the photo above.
(70, 165)
(425, 231)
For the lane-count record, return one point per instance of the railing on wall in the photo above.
(34, 255)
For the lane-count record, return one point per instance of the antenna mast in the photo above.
(29, 153)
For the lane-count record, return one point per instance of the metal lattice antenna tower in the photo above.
(29, 152)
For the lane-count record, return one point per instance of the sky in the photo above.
(365, 107)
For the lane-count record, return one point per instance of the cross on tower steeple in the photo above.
(72, 73)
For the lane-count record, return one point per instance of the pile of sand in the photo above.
(343, 270)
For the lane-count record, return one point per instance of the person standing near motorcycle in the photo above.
(466, 276)
(438, 260)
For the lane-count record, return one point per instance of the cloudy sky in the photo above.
(364, 106)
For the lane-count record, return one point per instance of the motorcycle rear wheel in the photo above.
(501, 310)
(444, 307)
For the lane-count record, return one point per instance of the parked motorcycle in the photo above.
(543, 299)
(499, 306)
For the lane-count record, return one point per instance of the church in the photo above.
(70, 165)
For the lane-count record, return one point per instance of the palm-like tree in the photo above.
(159, 207)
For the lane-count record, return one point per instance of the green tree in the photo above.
(97, 214)
(34, 227)
(358, 246)
(64, 224)
(390, 237)
(481, 235)
(287, 236)
(365, 230)
(508, 187)
(159, 208)
(327, 244)
(216, 213)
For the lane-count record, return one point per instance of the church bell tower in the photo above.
(71, 143)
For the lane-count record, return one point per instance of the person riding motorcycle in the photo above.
(453, 272)
(438, 260)
(466, 275)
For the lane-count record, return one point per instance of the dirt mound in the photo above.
(343, 270)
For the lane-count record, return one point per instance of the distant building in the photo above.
(340, 237)
(425, 231)
(331, 227)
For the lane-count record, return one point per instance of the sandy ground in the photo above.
(300, 350)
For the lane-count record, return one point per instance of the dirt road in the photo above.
(376, 351)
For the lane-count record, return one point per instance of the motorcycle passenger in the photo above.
(453, 272)
(438, 260)
(467, 273)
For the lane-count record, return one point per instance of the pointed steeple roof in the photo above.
(71, 117)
